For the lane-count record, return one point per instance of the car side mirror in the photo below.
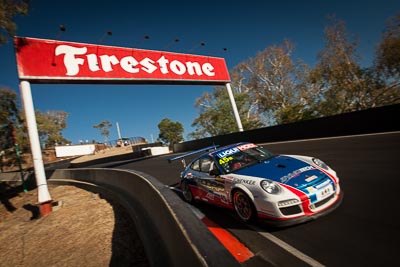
(215, 172)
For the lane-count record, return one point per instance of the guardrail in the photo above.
(171, 233)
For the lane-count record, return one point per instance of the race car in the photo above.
(280, 190)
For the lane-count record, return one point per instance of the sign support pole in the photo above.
(44, 197)
(234, 107)
(119, 132)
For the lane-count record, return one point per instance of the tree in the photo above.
(9, 117)
(304, 105)
(170, 132)
(50, 125)
(216, 114)
(8, 10)
(386, 68)
(8, 106)
(388, 51)
(269, 88)
(104, 127)
(346, 86)
(278, 85)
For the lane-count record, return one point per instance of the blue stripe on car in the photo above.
(288, 170)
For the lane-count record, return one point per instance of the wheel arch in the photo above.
(245, 190)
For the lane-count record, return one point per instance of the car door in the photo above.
(200, 171)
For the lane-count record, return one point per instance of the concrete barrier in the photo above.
(374, 120)
(102, 160)
(172, 235)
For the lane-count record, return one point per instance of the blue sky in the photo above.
(244, 28)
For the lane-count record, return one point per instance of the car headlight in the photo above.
(270, 186)
(320, 163)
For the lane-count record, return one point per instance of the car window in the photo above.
(237, 158)
(195, 165)
(259, 153)
(205, 164)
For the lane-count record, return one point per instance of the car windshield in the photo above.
(242, 158)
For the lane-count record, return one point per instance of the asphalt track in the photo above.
(363, 231)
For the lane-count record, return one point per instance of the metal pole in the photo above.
(119, 133)
(234, 107)
(44, 197)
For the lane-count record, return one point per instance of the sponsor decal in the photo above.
(75, 56)
(227, 152)
(210, 196)
(234, 150)
(246, 146)
(229, 178)
(296, 173)
(311, 189)
(311, 178)
(225, 160)
(58, 60)
(244, 181)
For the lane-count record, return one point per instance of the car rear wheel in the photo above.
(186, 192)
(244, 207)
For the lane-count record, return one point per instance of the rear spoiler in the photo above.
(191, 153)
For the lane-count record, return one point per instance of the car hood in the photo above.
(286, 170)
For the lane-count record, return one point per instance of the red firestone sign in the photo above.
(52, 61)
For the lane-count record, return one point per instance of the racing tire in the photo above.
(186, 192)
(244, 207)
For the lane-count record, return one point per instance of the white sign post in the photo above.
(44, 197)
(234, 107)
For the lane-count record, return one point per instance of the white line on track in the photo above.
(268, 236)
(287, 247)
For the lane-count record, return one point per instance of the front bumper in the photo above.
(289, 222)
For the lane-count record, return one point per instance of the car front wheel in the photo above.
(244, 206)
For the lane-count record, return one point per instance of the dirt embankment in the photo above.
(84, 229)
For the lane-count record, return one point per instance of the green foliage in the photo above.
(9, 117)
(388, 52)
(272, 88)
(8, 10)
(276, 84)
(386, 72)
(338, 72)
(216, 114)
(346, 85)
(8, 106)
(170, 132)
(50, 125)
(104, 127)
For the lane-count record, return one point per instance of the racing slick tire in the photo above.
(186, 192)
(244, 207)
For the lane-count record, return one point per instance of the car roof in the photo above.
(211, 151)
